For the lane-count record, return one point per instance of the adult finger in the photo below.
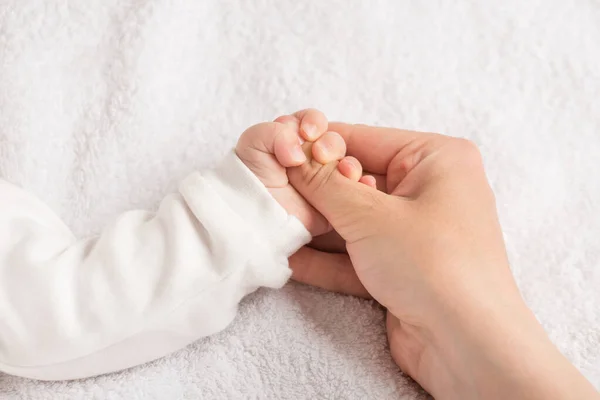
(329, 271)
(353, 209)
(376, 147)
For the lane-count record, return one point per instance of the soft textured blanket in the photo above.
(105, 105)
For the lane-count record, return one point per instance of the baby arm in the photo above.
(150, 283)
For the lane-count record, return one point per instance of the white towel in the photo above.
(106, 105)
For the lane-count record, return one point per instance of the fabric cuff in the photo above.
(243, 193)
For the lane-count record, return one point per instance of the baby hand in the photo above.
(267, 149)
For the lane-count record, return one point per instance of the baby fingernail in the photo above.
(297, 154)
(310, 130)
(352, 162)
(323, 149)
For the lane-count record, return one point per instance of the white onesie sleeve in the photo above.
(149, 285)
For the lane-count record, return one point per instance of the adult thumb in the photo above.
(355, 210)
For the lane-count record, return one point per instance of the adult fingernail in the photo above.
(310, 130)
(297, 154)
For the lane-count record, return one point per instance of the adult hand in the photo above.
(430, 249)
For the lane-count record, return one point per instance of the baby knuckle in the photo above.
(468, 151)
(274, 129)
(263, 130)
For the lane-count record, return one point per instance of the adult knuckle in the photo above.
(318, 176)
(373, 202)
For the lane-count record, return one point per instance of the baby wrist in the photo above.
(259, 214)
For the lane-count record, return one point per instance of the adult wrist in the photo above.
(499, 351)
